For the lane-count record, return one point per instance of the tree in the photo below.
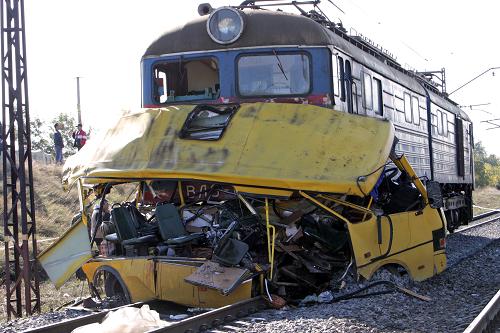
(40, 137)
(486, 167)
(481, 176)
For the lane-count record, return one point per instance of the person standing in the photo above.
(58, 144)
(80, 137)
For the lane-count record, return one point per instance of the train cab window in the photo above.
(415, 110)
(378, 102)
(186, 80)
(367, 91)
(408, 114)
(274, 75)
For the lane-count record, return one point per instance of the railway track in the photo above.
(495, 214)
(197, 323)
(226, 315)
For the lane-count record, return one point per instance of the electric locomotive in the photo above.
(246, 54)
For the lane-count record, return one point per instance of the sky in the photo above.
(102, 41)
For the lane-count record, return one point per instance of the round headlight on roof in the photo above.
(225, 25)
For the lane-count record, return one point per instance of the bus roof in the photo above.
(265, 145)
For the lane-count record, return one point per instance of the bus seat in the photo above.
(171, 228)
(126, 226)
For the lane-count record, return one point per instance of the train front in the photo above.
(235, 56)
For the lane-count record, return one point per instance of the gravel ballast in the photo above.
(458, 295)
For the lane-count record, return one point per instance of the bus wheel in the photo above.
(110, 287)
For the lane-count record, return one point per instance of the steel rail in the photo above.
(495, 219)
(484, 215)
(70, 324)
(198, 323)
(217, 317)
(488, 319)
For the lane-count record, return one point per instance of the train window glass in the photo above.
(341, 78)
(407, 101)
(186, 80)
(445, 124)
(415, 110)
(274, 75)
(378, 102)
(440, 122)
(354, 97)
(335, 76)
(434, 123)
(367, 91)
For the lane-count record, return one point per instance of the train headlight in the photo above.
(225, 25)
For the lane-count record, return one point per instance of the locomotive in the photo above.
(245, 54)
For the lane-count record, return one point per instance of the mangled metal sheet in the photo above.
(280, 146)
(67, 254)
(213, 275)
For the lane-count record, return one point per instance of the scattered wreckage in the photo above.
(239, 200)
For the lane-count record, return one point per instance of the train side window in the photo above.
(355, 108)
(335, 76)
(340, 68)
(367, 91)
(407, 100)
(378, 102)
(349, 85)
(445, 124)
(415, 110)
(434, 123)
(440, 122)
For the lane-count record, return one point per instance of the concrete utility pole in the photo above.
(18, 205)
(78, 108)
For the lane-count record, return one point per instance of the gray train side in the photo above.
(439, 149)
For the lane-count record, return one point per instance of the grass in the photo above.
(55, 208)
(54, 211)
(487, 197)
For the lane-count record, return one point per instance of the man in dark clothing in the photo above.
(58, 144)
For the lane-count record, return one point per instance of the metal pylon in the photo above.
(21, 275)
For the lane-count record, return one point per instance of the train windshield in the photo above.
(186, 80)
(274, 74)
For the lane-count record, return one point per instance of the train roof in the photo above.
(287, 29)
(293, 30)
